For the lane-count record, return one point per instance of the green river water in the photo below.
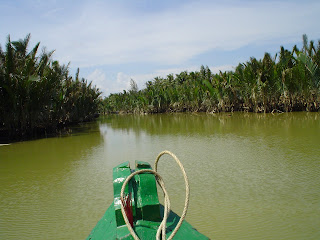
(252, 176)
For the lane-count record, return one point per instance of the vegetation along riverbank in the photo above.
(288, 81)
(37, 94)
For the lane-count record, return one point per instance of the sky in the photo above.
(113, 41)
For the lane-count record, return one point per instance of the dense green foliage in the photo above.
(288, 81)
(38, 95)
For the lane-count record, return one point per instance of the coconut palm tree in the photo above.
(37, 93)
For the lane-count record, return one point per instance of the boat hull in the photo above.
(107, 228)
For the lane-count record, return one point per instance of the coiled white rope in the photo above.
(162, 227)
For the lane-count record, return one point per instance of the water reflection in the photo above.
(208, 124)
(252, 176)
(46, 185)
(288, 129)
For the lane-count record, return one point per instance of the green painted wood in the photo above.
(149, 212)
(106, 228)
(147, 196)
(120, 173)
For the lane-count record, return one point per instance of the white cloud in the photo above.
(108, 84)
(101, 34)
(98, 78)
(123, 82)
(94, 33)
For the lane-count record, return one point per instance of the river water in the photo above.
(252, 176)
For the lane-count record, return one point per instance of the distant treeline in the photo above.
(38, 95)
(288, 81)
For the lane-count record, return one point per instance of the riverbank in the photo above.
(65, 129)
(286, 82)
(38, 97)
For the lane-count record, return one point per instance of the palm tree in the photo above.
(37, 93)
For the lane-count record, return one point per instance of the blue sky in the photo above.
(114, 41)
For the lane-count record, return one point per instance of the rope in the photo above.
(162, 227)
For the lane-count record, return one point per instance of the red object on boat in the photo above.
(128, 208)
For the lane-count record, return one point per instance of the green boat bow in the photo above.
(142, 208)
